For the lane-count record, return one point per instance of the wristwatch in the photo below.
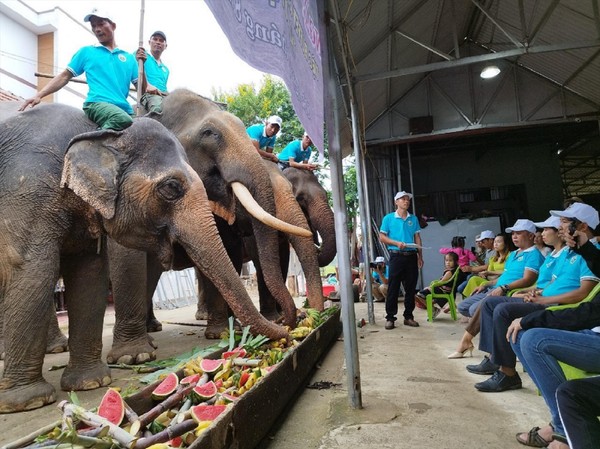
(504, 288)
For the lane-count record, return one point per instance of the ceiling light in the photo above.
(489, 71)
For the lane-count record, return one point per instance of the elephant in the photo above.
(64, 188)
(222, 154)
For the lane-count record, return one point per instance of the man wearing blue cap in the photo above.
(109, 73)
(400, 232)
(157, 73)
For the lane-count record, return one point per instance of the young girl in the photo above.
(465, 256)
(495, 267)
(450, 266)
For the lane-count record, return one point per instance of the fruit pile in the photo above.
(187, 406)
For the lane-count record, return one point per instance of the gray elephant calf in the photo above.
(62, 189)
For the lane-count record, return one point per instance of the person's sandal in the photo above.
(533, 439)
(559, 438)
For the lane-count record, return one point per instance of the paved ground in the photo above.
(412, 395)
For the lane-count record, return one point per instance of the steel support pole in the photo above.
(340, 217)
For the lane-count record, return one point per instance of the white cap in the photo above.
(522, 225)
(401, 194)
(379, 259)
(580, 211)
(275, 119)
(99, 13)
(551, 222)
(485, 235)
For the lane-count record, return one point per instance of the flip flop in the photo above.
(533, 439)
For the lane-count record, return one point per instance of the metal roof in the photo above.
(406, 59)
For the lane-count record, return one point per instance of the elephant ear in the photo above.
(91, 170)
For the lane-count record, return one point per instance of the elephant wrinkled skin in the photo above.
(62, 189)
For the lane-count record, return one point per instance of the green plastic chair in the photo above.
(572, 372)
(447, 296)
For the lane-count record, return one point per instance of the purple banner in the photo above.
(280, 37)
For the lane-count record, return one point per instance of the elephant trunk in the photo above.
(206, 249)
(322, 222)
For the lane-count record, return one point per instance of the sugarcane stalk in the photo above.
(91, 419)
(130, 415)
(88, 433)
(168, 434)
(32, 436)
(238, 361)
(167, 404)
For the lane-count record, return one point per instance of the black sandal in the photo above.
(559, 438)
(533, 439)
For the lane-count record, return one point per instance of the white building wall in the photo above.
(18, 56)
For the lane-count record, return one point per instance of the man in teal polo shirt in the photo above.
(157, 73)
(264, 136)
(109, 73)
(296, 154)
(400, 231)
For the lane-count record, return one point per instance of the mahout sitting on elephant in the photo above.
(63, 188)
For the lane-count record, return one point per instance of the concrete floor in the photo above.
(412, 395)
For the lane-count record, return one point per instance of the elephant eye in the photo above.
(170, 189)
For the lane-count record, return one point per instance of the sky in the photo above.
(198, 54)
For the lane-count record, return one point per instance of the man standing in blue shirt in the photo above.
(109, 72)
(400, 231)
(296, 154)
(157, 74)
(263, 137)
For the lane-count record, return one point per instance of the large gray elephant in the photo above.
(225, 159)
(62, 190)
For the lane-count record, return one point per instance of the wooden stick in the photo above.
(140, 64)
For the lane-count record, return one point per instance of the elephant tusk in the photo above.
(250, 204)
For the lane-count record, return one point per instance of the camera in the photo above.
(573, 227)
(375, 265)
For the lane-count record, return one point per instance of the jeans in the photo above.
(579, 407)
(540, 349)
(402, 269)
(468, 306)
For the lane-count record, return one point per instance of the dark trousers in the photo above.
(503, 315)
(579, 407)
(403, 270)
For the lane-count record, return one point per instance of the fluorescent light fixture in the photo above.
(489, 71)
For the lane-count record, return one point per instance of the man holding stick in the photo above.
(157, 74)
(109, 72)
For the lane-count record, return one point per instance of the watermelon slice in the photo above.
(206, 391)
(206, 412)
(166, 387)
(237, 352)
(210, 365)
(229, 397)
(189, 380)
(112, 407)
(244, 378)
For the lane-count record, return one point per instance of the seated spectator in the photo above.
(483, 252)
(520, 270)
(539, 244)
(465, 256)
(450, 266)
(379, 280)
(572, 281)
(492, 269)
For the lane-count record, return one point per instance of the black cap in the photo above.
(159, 33)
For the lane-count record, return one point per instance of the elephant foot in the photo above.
(153, 325)
(133, 352)
(213, 331)
(90, 378)
(202, 314)
(19, 398)
(57, 345)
